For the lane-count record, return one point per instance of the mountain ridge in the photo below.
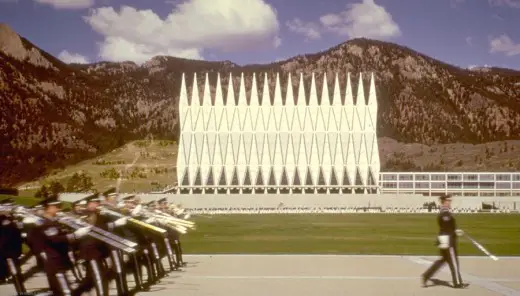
(53, 114)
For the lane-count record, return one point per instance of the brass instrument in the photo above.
(97, 233)
(79, 222)
(167, 220)
(115, 212)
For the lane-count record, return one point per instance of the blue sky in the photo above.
(460, 32)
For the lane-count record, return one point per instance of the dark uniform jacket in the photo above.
(55, 243)
(10, 238)
(447, 225)
(91, 248)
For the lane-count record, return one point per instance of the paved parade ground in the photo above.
(261, 275)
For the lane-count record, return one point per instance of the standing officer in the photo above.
(447, 243)
(55, 244)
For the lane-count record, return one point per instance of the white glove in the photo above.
(444, 241)
(82, 231)
(121, 221)
(120, 204)
(459, 232)
(29, 220)
(24, 235)
(149, 220)
(136, 210)
(18, 210)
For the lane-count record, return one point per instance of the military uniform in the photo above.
(55, 244)
(94, 252)
(447, 243)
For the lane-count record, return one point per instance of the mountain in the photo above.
(53, 114)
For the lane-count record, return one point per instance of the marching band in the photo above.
(101, 239)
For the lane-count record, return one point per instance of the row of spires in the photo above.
(255, 98)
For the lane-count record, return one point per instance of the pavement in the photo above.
(270, 275)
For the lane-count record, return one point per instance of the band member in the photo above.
(173, 235)
(34, 241)
(94, 252)
(153, 249)
(136, 235)
(55, 244)
(447, 243)
(11, 246)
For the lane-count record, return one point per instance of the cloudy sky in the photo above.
(460, 32)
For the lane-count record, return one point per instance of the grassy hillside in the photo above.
(143, 166)
(148, 165)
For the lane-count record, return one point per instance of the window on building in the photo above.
(487, 185)
(438, 185)
(422, 177)
(455, 177)
(516, 185)
(389, 177)
(438, 177)
(389, 185)
(503, 185)
(454, 185)
(516, 177)
(406, 177)
(422, 185)
(405, 185)
(471, 177)
(504, 177)
(470, 185)
(487, 177)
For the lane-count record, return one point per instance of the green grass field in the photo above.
(385, 234)
(348, 234)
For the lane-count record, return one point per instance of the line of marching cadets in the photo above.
(98, 241)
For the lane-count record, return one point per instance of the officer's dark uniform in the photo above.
(141, 258)
(447, 227)
(94, 252)
(55, 244)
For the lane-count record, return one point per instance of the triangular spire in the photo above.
(242, 100)
(313, 97)
(255, 100)
(219, 99)
(372, 98)
(183, 99)
(277, 92)
(360, 98)
(206, 99)
(336, 98)
(195, 100)
(266, 100)
(325, 99)
(289, 97)
(230, 100)
(301, 101)
(349, 99)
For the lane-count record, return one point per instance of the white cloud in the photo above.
(505, 3)
(190, 28)
(469, 40)
(70, 58)
(68, 4)
(365, 19)
(310, 30)
(504, 44)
